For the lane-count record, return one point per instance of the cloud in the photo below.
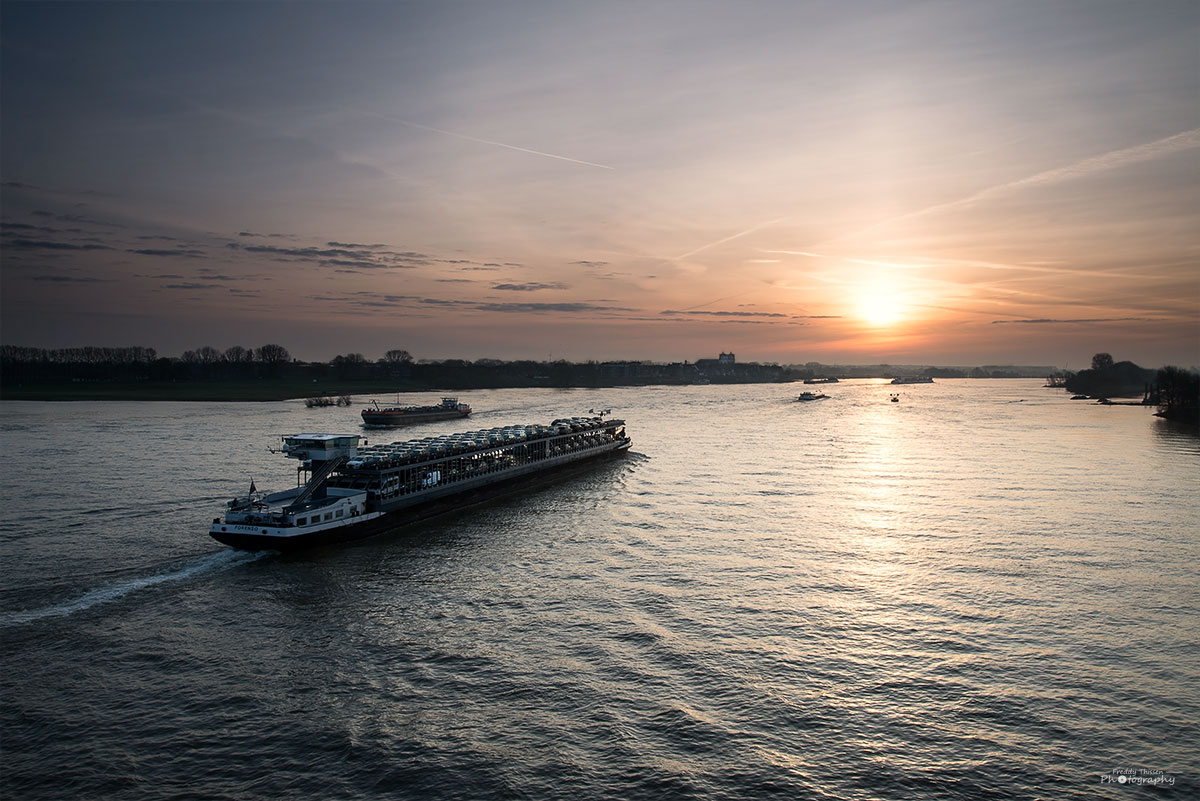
(75, 218)
(535, 308)
(167, 253)
(190, 286)
(1049, 321)
(45, 244)
(15, 226)
(725, 313)
(366, 258)
(68, 279)
(357, 263)
(529, 287)
(591, 263)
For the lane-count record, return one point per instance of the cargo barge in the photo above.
(345, 492)
(448, 409)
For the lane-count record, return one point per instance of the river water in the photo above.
(982, 590)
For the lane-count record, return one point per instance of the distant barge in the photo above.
(922, 379)
(448, 409)
(347, 493)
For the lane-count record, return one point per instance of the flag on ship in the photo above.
(253, 489)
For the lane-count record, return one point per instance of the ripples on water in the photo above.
(984, 590)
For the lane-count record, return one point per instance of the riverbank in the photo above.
(261, 390)
(265, 389)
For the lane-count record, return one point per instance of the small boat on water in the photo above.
(811, 396)
(820, 381)
(895, 399)
(916, 379)
(448, 409)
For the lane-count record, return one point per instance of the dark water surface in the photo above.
(983, 591)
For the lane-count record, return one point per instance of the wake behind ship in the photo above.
(351, 493)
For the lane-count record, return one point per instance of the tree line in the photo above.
(15, 354)
(1178, 393)
(396, 368)
(1174, 390)
(138, 363)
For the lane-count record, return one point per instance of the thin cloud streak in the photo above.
(1049, 321)
(750, 230)
(934, 261)
(1108, 161)
(497, 144)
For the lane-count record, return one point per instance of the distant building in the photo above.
(723, 365)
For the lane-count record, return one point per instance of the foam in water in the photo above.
(210, 563)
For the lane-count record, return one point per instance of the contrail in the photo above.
(1107, 161)
(497, 144)
(931, 261)
(728, 238)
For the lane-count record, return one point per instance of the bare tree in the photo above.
(397, 357)
(273, 354)
(208, 355)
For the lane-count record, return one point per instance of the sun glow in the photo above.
(880, 309)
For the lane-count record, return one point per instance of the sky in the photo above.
(952, 183)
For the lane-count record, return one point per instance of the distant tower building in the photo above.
(725, 358)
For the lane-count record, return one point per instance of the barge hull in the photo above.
(417, 512)
(384, 419)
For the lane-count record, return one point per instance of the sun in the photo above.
(880, 309)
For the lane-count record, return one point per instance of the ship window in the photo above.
(300, 521)
(339, 512)
(329, 515)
